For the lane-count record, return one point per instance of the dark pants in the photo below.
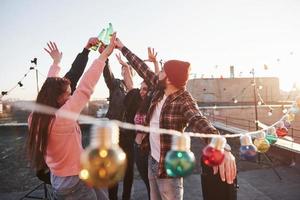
(141, 161)
(214, 188)
(128, 178)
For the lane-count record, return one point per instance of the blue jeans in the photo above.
(78, 192)
(163, 188)
(141, 161)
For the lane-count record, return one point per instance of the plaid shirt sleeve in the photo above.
(197, 122)
(142, 69)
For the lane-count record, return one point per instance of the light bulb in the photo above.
(180, 161)
(270, 113)
(103, 163)
(234, 100)
(261, 143)
(281, 130)
(290, 117)
(284, 110)
(213, 154)
(271, 135)
(295, 108)
(247, 149)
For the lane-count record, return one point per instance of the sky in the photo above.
(212, 35)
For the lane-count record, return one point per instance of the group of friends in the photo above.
(162, 101)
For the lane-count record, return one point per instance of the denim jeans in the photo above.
(163, 188)
(78, 192)
(141, 161)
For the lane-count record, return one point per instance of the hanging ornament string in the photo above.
(262, 102)
(74, 116)
(19, 83)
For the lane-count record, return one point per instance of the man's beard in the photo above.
(162, 84)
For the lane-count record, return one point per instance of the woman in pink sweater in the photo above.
(56, 141)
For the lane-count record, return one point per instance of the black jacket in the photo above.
(117, 92)
(77, 68)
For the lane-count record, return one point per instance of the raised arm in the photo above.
(141, 68)
(86, 86)
(79, 64)
(197, 122)
(127, 73)
(152, 58)
(56, 57)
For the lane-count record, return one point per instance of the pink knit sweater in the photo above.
(64, 142)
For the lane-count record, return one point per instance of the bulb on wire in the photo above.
(260, 87)
(271, 135)
(295, 107)
(290, 117)
(213, 154)
(261, 143)
(281, 130)
(235, 100)
(284, 110)
(34, 61)
(259, 103)
(270, 113)
(103, 163)
(247, 149)
(180, 161)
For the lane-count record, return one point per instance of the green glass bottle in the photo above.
(108, 34)
(100, 37)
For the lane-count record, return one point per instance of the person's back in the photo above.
(56, 138)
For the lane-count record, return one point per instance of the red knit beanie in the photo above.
(177, 72)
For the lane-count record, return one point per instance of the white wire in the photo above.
(74, 116)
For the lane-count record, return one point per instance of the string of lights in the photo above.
(236, 98)
(19, 83)
(49, 110)
(179, 161)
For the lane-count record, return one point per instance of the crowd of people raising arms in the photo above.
(162, 101)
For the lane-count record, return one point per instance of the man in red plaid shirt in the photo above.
(172, 107)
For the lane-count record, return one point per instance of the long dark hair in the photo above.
(145, 103)
(40, 125)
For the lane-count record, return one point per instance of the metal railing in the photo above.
(249, 125)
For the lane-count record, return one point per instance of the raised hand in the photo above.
(119, 44)
(120, 60)
(54, 52)
(151, 55)
(109, 48)
(93, 41)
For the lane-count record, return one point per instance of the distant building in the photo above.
(226, 90)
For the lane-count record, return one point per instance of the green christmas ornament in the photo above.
(180, 161)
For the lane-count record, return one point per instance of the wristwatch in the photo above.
(227, 147)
